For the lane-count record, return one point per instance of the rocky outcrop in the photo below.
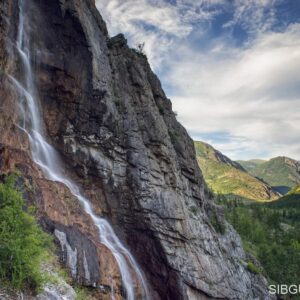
(107, 115)
(56, 289)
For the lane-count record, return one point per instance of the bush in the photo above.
(252, 268)
(140, 48)
(22, 243)
(271, 233)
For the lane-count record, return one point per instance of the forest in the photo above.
(271, 233)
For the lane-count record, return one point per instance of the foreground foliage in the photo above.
(270, 232)
(22, 243)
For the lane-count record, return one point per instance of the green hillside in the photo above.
(282, 173)
(250, 164)
(296, 190)
(229, 178)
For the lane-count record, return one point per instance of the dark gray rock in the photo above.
(78, 253)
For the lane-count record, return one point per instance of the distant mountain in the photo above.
(282, 173)
(229, 178)
(250, 164)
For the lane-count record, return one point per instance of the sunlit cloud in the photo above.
(254, 16)
(229, 67)
(253, 92)
(158, 24)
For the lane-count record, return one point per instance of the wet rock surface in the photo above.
(107, 115)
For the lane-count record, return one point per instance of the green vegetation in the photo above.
(295, 190)
(270, 230)
(250, 164)
(84, 293)
(25, 250)
(193, 209)
(282, 173)
(252, 268)
(217, 224)
(271, 233)
(175, 136)
(228, 178)
(22, 243)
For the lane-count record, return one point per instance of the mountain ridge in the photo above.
(229, 178)
(281, 172)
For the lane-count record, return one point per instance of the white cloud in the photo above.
(156, 22)
(254, 16)
(253, 94)
(162, 25)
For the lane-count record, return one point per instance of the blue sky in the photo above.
(231, 68)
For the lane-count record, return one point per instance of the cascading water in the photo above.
(48, 160)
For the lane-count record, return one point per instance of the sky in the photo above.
(230, 67)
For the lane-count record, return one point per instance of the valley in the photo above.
(255, 179)
(261, 200)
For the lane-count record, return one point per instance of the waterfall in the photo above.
(47, 158)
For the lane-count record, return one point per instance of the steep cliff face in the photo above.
(106, 113)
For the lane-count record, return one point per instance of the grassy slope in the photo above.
(248, 165)
(296, 190)
(227, 177)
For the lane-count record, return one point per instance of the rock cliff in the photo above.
(107, 115)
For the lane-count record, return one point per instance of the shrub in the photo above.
(22, 243)
(193, 209)
(161, 111)
(140, 48)
(252, 268)
(83, 293)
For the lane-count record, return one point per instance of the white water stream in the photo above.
(48, 160)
